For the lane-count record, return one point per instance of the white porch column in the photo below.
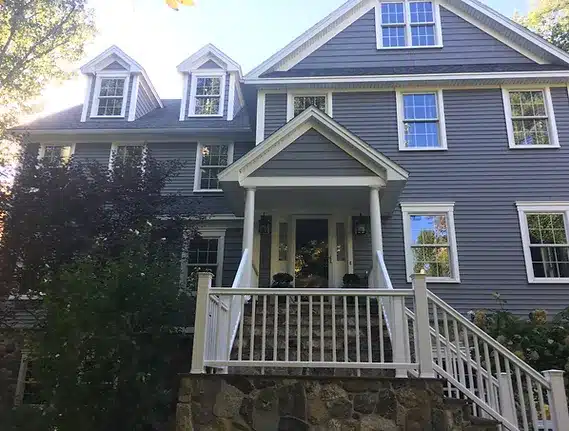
(249, 233)
(376, 235)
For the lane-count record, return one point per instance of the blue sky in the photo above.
(159, 38)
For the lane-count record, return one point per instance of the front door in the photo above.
(312, 256)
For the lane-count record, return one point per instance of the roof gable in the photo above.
(488, 20)
(314, 119)
(207, 54)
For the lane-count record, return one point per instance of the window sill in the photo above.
(208, 191)
(107, 116)
(391, 48)
(548, 280)
(534, 147)
(438, 280)
(423, 149)
(205, 116)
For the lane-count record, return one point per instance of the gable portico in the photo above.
(311, 169)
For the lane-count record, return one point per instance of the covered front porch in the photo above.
(312, 196)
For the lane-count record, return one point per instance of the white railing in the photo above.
(479, 368)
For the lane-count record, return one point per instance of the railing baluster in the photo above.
(241, 324)
(264, 332)
(287, 329)
(252, 335)
(481, 393)
(469, 365)
(437, 334)
(298, 332)
(531, 401)
(310, 328)
(490, 385)
(321, 329)
(459, 360)
(357, 321)
(523, 410)
(449, 362)
(345, 329)
(334, 345)
(276, 328)
(381, 340)
(368, 316)
(542, 404)
(217, 330)
(229, 330)
(511, 383)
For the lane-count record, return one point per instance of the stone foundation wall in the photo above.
(224, 402)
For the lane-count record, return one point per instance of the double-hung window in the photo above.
(530, 119)
(544, 229)
(211, 159)
(204, 253)
(298, 103)
(56, 153)
(207, 94)
(408, 24)
(109, 99)
(127, 155)
(430, 241)
(421, 121)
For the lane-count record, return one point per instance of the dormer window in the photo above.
(207, 94)
(109, 99)
(408, 24)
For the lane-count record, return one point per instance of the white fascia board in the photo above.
(92, 66)
(482, 76)
(209, 52)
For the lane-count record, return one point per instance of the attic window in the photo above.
(408, 24)
(207, 94)
(109, 98)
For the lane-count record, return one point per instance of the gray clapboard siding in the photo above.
(484, 178)
(463, 43)
(210, 64)
(275, 112)
(144, 102)
(232, 255)
(93, 152)
(312, 155)
(115, 65)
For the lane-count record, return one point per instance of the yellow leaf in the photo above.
(173, 4)
(186, 2)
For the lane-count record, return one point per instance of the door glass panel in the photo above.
(341, 242)
(283, 242)
(311, 256)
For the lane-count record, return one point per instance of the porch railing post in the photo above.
(506, 397)
(400, 339)
(423, 328)
(201, 322)
(557, 399)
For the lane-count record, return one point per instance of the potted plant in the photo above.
(282, 280)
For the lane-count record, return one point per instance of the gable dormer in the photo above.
(118, 88)
(212, 85)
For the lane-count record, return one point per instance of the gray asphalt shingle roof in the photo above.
(161, 118)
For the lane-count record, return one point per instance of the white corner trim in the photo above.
(525, 208)
(95, 103)
(261, 101)
(428, 208)
(231, 97)
(199, 157)
(85, 111)
(407, 24)
(550, 111)
(133, 98)
(308, 93)
(207, 74)
(184, 101)
(400, 106)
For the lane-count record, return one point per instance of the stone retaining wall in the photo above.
(224, 402)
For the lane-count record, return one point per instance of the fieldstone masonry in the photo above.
(260, 403)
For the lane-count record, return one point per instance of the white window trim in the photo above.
(206, 233)
(206, 73)
(116, 145)
(199, 157)
(552, 124)
(308, 93)
(408, 209)
(542, 208)
(379, 32)
(441, 118)
(41, 152)
(110, 75)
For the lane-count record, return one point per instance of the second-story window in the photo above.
(299, 102)
(110, 96)
(421, 121)
(530, 118)
(207, 95)
(408, 24)
(210, 161)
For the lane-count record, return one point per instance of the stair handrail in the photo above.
(384, 274)
(240, 276)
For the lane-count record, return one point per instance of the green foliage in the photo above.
(549, 19)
